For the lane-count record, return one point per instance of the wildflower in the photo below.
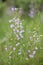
(16, 9)
(36, 48)
(12, 25)
(31, 55)
(29, 51)
(17, 30)
(17, 23)
(10, 21)
(18, 44)
(30, 37)
(26, 58)
(14, 48)
(34, 52)
(6, 49)
(12, 9)
(21, 35)
(34, 36)
(21, 31)
(19, 53)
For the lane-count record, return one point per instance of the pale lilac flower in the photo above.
(17, 30)
(31, 55)
(34, 52)
(31, 15)
(21, 31)
(12, 25)
(17, 23)
(12, 8)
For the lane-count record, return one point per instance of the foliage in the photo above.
(2, 6)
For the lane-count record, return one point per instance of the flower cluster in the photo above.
(17, 27)
(31, 55)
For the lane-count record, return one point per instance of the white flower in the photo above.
(19, 53)
(21, 31)
(10, 21)
(16, 9)
(36, 48)
(17, 22)
(31, 56)
(18, 44)
(14, 18)
(12, 25)
(26, 58)
(30, 37)
(34, 36)
(18, 19)
(20, 23)
(6, 49)
(14, 29)
(34, 52)
(21, 35)
(29, 51)
(14, 48)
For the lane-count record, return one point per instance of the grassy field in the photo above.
(28, 50)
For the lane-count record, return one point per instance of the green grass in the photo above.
(7, 39)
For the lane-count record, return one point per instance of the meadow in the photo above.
(21, 38)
